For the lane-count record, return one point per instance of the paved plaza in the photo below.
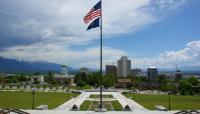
(85, 96)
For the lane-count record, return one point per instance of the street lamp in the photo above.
(169, 100)
(33, 94)
(134, 91)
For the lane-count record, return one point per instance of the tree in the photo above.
(130, 77)
(137, 81)
(198, 88)
(195, 84)
(163, 82)
(35, 80)
(94, 79)
(50, 78)
(22, 78)
(84, 77)
(185, 87)
(12, 79)
(81, 83)
(108, 81)
(81, 79)
(160, 79)
(193, 81)
(2, 80)
(77, 77)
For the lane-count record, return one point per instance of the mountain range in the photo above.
(12, 65)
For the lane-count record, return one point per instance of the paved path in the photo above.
(78, 101)
(125, 101)
(85, 96)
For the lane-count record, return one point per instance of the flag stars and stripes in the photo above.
(94, 14)
(91, 15)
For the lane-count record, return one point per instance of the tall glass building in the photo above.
(124, 67)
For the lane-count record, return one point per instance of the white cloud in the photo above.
(189, 56)
(44, 30)
(62, 55)
(47, 21)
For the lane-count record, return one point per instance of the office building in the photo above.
(124, 67)
(111, 69)
(152, 73)
(136, 72)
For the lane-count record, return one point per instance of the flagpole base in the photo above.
(101, 110)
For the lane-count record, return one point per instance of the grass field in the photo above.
(92, 105)
(23, 100)
(104, 96)
(117, 106)
(85, 105)
(177, 102)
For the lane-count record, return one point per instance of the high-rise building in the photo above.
(152, 73)
(112, 69)
(178, 75)
(136, 72)
(124, 67)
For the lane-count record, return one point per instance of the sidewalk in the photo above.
(85, 96)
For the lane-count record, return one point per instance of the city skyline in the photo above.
(154, 33)
(99, 56)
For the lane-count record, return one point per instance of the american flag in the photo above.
(94, 12)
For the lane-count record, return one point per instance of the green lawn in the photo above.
(92, 105)
(23, 100)
(177, 102)
(104, 96)
(117, 106)
(85, 105)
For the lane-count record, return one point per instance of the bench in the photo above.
(42, 107)
(160, 108)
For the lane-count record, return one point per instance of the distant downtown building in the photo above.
(152, 73)
(136, 72)
(123, 67)
(112, 69)
(178, 75)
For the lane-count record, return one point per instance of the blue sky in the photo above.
(158, 33)
(173, 33)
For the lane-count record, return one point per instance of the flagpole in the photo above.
(101, 42)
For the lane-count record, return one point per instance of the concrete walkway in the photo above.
(85, 96)
(126, 101)
(67, 106)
